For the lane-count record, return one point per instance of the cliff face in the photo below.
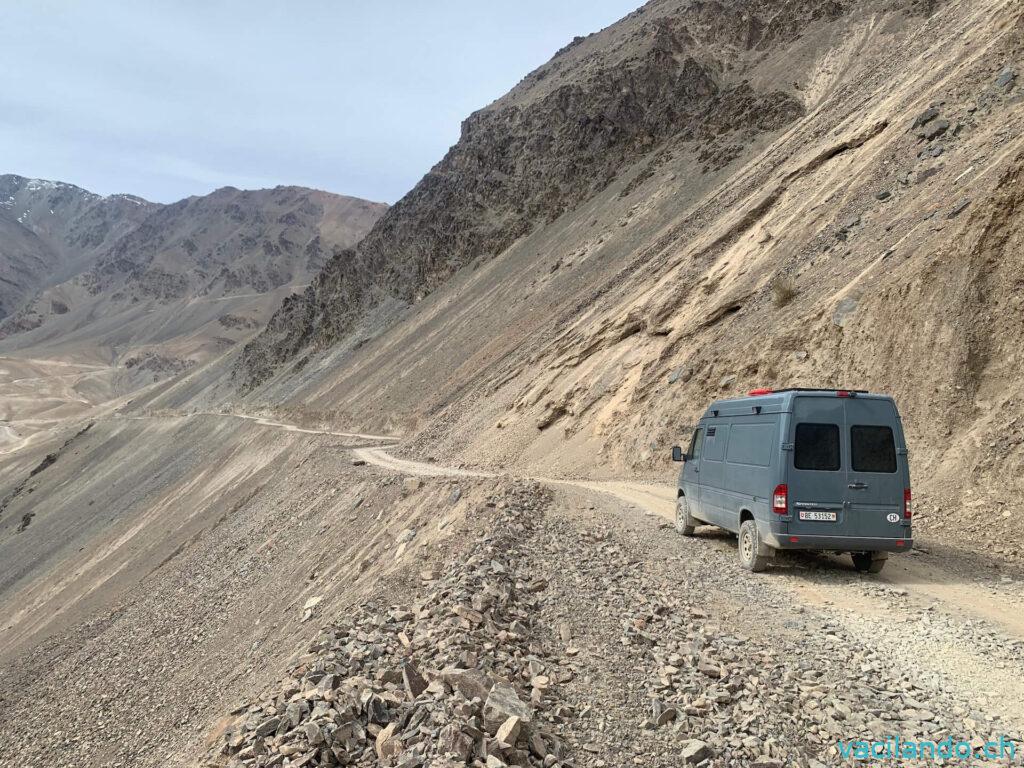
(669, 79)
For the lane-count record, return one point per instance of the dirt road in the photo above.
(956, 619)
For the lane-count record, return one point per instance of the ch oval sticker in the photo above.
(892, 517)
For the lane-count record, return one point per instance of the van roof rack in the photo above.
(766, 391)
(823, 389)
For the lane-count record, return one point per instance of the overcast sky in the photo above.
(171, 98)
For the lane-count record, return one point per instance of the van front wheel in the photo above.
(749, 546)
(685, 524)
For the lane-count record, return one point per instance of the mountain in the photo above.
(51, 231)
(113, 274)
(426, 516)
(672, 78)
(703, 198)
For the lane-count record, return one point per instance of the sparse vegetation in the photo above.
(784, 290)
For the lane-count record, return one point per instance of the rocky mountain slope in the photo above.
(118, 273)
(670, 78)
(836, 204)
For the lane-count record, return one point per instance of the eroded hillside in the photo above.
(836, 204)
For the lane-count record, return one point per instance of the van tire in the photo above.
(867, 562)
(749, 544)
(685, 524)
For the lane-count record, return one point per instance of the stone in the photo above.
(358, 462)
(883, 195)
(405, 536)
(452, 741)
(1006, 78)
(293, 712)
(679, 374)
(386, 745)
(314, 735)
(469, 682)
(415, 684)
(709, 669)
(925, 117)
(313, 602)
(376, 710)
(509, 731)
(694, 750)
(666, 716)
(933, 131)
(455, 495)
(495, 762)
(267, 727)
(844, 309)
(467, 613)
(503, 703)
(411, 484)
(959, 208)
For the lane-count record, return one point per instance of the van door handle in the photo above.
(858, 486)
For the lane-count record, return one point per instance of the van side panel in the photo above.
(713, 498)
(751, 465)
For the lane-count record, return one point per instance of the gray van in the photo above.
(819, 469)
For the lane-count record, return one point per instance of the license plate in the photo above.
(815, 514)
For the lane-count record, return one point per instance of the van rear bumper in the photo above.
(839, 543)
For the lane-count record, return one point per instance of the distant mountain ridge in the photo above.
(76, 265)
(50, 231)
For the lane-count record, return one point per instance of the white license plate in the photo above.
(815, 514)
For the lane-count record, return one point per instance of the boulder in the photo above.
(503, 703)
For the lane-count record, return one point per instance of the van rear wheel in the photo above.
(749, 546)
(685, 524)
(868, 562)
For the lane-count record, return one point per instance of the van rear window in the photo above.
(872, 449)
(817, 447)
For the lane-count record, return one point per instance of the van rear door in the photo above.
(817, 476)
(875, 472)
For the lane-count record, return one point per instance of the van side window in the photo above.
(698, 435)
(872, 449)
(817, 447)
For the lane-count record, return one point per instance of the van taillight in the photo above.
(780, 499)
(906, 504)
(842, 393)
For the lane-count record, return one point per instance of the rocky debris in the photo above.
(925, 117)
(957, 209)
(456, 677)
(933, 130)
(1006, 78)
(844, 310)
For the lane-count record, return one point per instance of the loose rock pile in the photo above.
(458, 677)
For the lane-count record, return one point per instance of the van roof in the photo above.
(778, 400)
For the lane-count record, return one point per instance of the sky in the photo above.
(170, 98)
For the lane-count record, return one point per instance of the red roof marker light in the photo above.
(761, 391)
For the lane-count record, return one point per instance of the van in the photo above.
(811, 469)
